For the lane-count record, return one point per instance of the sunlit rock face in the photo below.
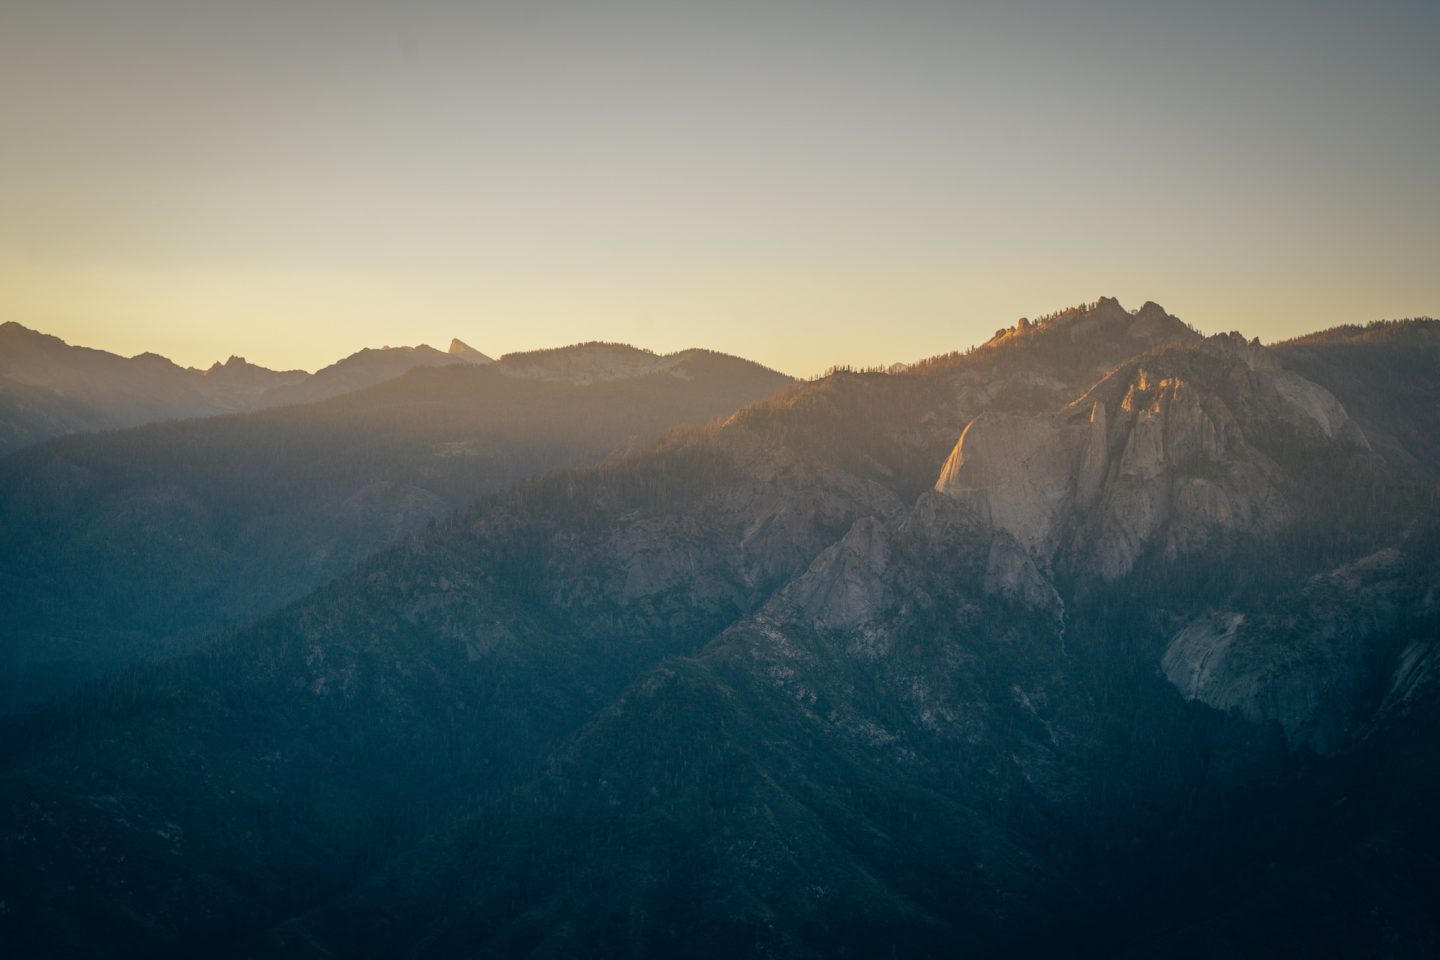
(1158, 453)
(1018, 474)
(1182, 471)
(1107, 486)
(462, 350)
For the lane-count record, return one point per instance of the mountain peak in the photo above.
(1104, 318)
(459, 348)
(18, 332)
(151, 359)
(589, 362)
(233, 363)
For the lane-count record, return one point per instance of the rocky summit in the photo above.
(1157, 449)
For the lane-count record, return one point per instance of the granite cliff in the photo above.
(1162, 452)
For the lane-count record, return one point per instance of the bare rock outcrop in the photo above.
(847, 585)
(1018, 474)
(463, 351)
(1304, 659)
(1159, 453)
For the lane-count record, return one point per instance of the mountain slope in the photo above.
(758, 691)
(356, 372)
(102, 391)
(462, 350)
(50, 387)
(133, 544)
(1384, 374)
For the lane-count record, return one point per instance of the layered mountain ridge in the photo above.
(1100, 640)
(50, 388)
(133, 544)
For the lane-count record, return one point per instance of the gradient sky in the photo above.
(800, 183)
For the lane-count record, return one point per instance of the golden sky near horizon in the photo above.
(803, 184)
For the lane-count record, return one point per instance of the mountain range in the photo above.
(49, 388)
(131, 544)
(1103, 638)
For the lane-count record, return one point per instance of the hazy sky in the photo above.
(801, 183)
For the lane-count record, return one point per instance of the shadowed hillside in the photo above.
(137, 543)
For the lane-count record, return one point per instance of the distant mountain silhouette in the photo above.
(592, 362)
(134, 543)
(355, 372)
(49, 388)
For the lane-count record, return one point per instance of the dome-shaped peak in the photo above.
(150, 358)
